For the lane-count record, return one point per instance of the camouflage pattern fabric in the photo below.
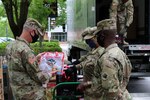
(25, 76)
(88, 67)
(88, 33)
(81, 45)
(34, 24)
(111, 75)
(122, 10)
(106, 24)
(88, 64)
(82, 58)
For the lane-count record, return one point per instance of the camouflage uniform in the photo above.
(84, 57)
(111, 75)
(24, 74)
(87, 34)
(88, 68)
(25, 79)
(112, 70)
(88, 61)
(122, 10)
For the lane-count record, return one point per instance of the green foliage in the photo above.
(2, 48)
(46, 47)
(2, 11)
(38, 11)
(5, 29)
(4, 26)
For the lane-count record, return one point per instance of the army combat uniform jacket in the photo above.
(111, 75)
(25, 78)
(88, 65)
(122, 11)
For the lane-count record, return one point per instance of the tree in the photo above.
(4, 27)
(38, 11)
(43, 8)
(2, 11)
(16, 11)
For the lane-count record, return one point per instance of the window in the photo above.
(60, 36)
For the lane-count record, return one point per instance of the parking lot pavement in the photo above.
(139, 88)
(141, 96)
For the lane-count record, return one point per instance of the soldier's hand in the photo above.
(78, 66)
(83, 86)
(76, 62)
(54, 72)
(70, 70)
(39, 56)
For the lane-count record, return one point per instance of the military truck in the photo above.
(86, 13)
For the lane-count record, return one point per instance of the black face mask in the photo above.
(100, 40)
(34, 38)
(90, 43)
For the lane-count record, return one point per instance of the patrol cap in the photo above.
(88, 33)
(105, 24)
(34, 24)
(80, 44)
(85, 32)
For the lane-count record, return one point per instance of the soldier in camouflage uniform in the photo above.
(87, 62)
(87, 34)
(113, 68)
(90, 40)
(122, 11)
(25, 76)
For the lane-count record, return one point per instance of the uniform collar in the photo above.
(22, 40)
(111, 46)
(95, 50)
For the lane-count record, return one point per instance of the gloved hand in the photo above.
(76, 62)
(76, 65)
(70, 70)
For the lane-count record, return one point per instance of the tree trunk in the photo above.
(11, 8)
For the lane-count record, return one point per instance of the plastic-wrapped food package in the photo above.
(52, 62)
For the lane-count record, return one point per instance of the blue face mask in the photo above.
(90, 43)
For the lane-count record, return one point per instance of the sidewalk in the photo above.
(140, 96)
